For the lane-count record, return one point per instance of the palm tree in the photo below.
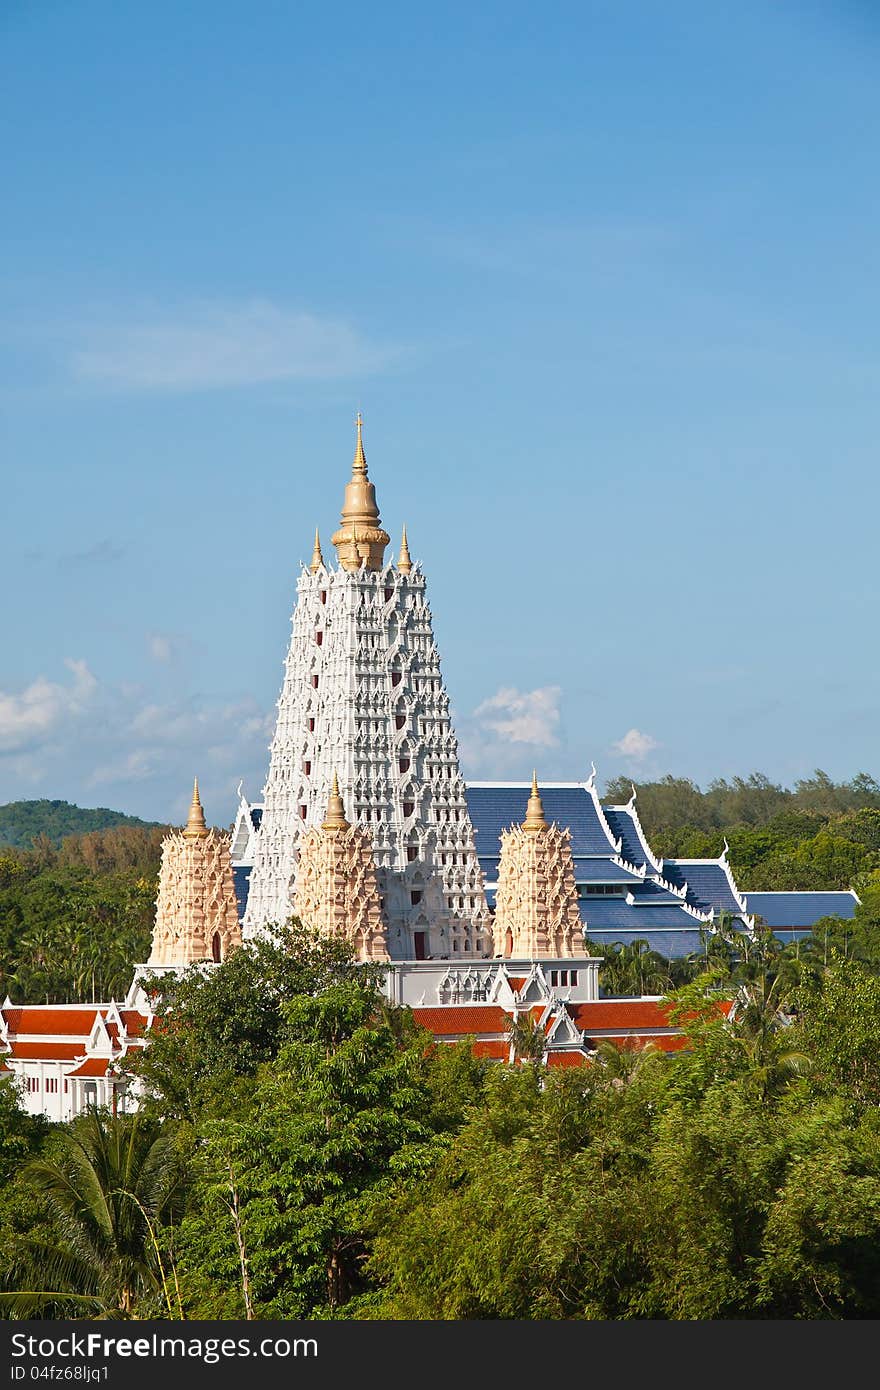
(528, 1038)
(108, 1187)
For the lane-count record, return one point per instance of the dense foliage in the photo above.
(338, 1163)
(73, 919)
(822, 834)
(22, 822)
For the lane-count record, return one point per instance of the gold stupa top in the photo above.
(404, 563)
(534, 820)
(360, 537)
(335, 817)
(317, 557)
(195, 828)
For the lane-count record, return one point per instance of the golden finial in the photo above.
(360, 458)
(535, 812)
(335, 817)
(317, 557)
(359, 510)
(404, 563)
(195, 828)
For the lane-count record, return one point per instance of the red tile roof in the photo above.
(92, 1066)
(46, 1051)
(628, 1013)
(500, 1051)
(135, 1022)
(463, 1019)
(567, 1059)
(51, 1019)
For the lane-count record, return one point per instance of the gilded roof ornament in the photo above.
(317, 557)
(195, 828)
(360, 513)
(335, 817)
(534, 820)
(404, 563)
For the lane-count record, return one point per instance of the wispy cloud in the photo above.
(528, 716)
(103, 552)
(635, 745)
(39, 711)
(211, 346)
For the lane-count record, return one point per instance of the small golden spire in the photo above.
(335, 817)
(195, 828)
(404, 563)
(360, 458)
(360, 510)
(317, 557)
(535, 812)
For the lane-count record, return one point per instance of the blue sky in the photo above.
(603, 278)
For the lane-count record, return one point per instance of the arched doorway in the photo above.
(215, 947)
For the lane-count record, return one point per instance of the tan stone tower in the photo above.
(536, 905)
(336, 890)
(196, 910)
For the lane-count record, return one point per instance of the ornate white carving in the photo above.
(363, 696)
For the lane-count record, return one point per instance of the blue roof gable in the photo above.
(793, 910)
(495, 808)
(708, 884)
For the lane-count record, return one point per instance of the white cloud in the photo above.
(39, 711)
(212, 346)
(635, 745)
(529, 716)
(161, 647)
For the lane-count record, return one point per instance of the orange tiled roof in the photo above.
(628, 1013)
(567, 1059)
(92, 1066)
(499, 1051)
(463, 1019)
(46, 1051)
(516, 982)
(51, 1019)
(135, 1022)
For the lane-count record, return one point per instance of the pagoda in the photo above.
(196, 909)
(536, 904)
(363, 699)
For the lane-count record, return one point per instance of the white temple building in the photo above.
(363, 700)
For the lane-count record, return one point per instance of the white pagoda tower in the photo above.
(363, 698)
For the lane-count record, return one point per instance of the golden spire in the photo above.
(335, 817)
(317, 557)
(360, 458)
(535, 813)
(404, 563)
(196, 828)
(359, 510)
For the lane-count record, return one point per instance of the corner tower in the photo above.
(536, 905)
(363, 696)
(196, 910)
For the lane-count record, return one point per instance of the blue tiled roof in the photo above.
(623, 826)
(585, 871)
(614, 914)
(649, 894)
(800, 909)
(666, 943)
(241, 878)
(708, 885)
(493, 809)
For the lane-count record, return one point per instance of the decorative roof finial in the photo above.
(404, 563)
(195, 828)
(335, 817)
(360, 458)
(360, 509)
(534, 820)
(317, 557)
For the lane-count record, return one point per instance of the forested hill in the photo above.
(817, 834)
(21, 822)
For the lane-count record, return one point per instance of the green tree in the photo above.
(108, 1182)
